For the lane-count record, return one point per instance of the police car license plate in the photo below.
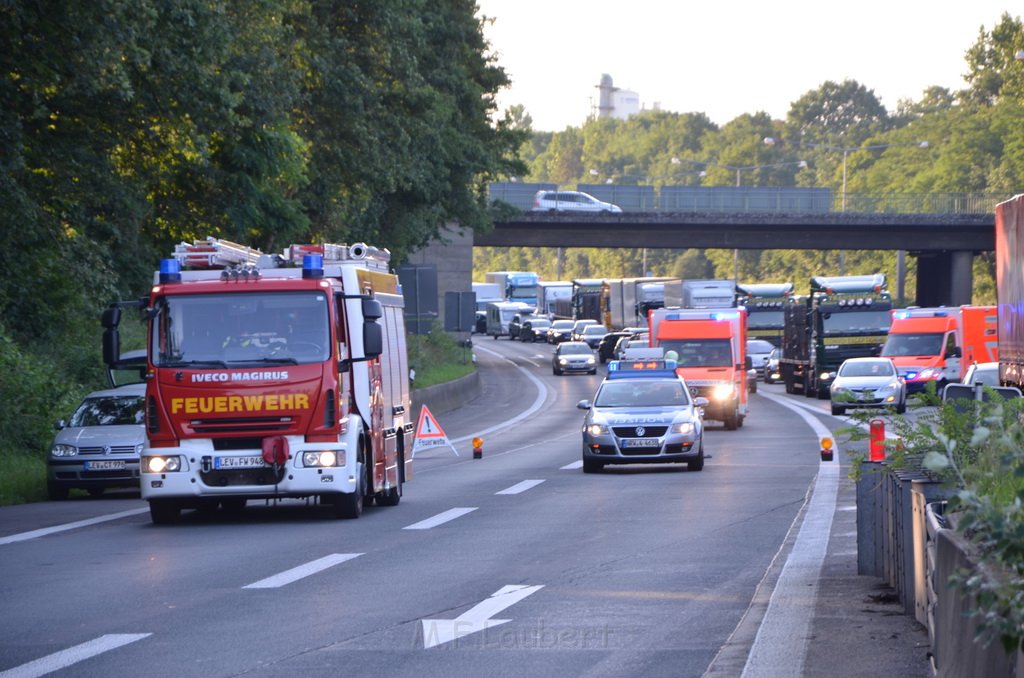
(238, 462)
(109, 465)
(641, 442)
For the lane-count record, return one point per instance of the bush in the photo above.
(977, 449)
(437, 358)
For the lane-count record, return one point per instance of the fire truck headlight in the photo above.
(63, 451)
(161, 464)
(683, 428)
(723, 392)
(323, 458)
(930, 373)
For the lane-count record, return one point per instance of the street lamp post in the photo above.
(846, 150)
(736, 252)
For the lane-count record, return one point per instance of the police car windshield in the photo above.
(642, 393)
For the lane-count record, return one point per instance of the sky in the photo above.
(727, 58)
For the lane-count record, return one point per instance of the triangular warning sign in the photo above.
(429, 433)
(427, 427)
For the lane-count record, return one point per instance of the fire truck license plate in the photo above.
(641, 442)
(238, 462)
(103, 466)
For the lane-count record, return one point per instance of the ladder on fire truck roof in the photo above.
(219, 253)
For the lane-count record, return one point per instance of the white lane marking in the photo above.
(783, 633)
(818, 410)
(305, 570)
(575, 465)
(42, 532)
(520, 487)
(72, 655)
(440, 518)
(538, 402)
(478, 618)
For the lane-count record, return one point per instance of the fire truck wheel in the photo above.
(390, 497)
(164, 511)
(731, 421)
(350, 506)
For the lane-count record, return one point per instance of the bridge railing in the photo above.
(760, 199)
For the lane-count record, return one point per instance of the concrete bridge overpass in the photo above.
(944, 244)
(942, 231)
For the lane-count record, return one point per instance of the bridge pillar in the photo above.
(452, 253)
(944, 278)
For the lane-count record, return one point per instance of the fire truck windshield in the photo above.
(225, 330)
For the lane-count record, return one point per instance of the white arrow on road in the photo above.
(439, 631)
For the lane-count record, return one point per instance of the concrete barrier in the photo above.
(446, 397)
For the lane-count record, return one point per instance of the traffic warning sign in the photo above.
(429, 433)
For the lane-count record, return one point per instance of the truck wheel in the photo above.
(698, 463)
(590, 466)
(731, 422)
(810, 390)
(740, 419)
(349, 506)
(164, 511)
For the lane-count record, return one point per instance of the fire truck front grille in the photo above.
(236, 477)
(253, 426)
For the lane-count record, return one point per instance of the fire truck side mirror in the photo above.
(373, 339)
(111, 337)
(111, 317)
(372, 309)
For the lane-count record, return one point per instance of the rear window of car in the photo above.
(866, 369)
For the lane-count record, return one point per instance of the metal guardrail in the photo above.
(756, 199)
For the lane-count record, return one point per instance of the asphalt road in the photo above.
(513, 564)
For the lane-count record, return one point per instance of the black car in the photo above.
(561, 330)
(606, 347)
(535, 329)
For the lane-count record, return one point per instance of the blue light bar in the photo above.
(901, 315)
(655, 369)
(170, 271)
(724, 316)
(312, 266)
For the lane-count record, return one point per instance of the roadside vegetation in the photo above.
(976, 448)
(437, 358)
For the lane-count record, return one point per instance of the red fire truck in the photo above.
(271, 377)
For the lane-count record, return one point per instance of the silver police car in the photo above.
(643, 413)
